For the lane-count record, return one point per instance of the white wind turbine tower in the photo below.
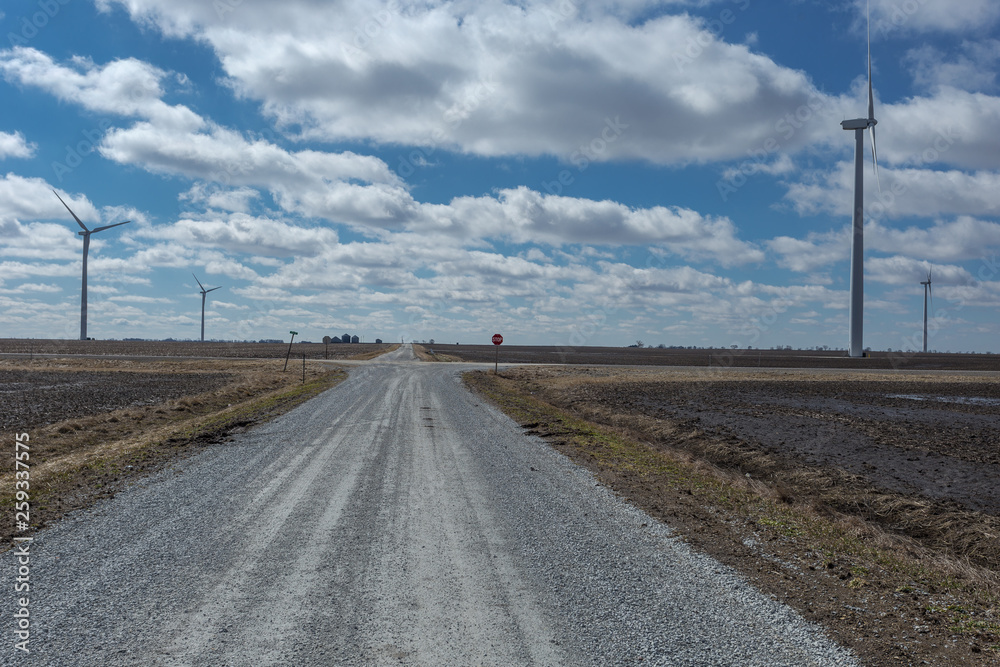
(859, 125)
(927, 292)
(86, 250)
(203, 293)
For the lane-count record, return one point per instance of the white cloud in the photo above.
(14, 145)
(973, 69)
(227, 157)
(913, 192)
(40, 288)
(900, 270)
(952, 127)
(918, 16)
(962, 239)
(246, 234)
(236, 200)
(127, 87)
(493, 78)
(26, 197)
(815, 252)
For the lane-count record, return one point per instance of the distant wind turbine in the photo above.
(86, 250)
(927, 292)
(859, 125)
(203, 293)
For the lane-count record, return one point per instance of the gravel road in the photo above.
(394, 520)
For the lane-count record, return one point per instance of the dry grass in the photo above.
(371, 354)
(433, 354)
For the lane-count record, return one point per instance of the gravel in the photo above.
(393, 520)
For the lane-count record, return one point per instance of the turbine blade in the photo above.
(213, 289)
(70, 211)
(878, 181)
(199, 283)
(871, 94)
(117, 224)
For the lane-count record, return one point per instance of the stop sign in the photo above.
(497, 339)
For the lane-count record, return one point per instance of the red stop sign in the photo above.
(497, 339)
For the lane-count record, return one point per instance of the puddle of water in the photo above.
(963, 400)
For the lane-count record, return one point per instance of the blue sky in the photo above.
(566, 172)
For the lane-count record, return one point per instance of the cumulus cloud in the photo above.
(14, 145)
(127, 87)
(972, 69)
(246, 234)
(237, 200)
(813, 253)
(900, 270)
(224, 156)
(494, 78)
(961, 239)
(921, 193)
(918, 16)
(951, 127)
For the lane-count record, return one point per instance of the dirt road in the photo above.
(393, 520)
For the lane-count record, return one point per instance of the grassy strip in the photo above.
(366, 356)
(943, 590)
(430, 354)
(76, 481)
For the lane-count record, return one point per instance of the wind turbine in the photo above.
(203, 293)
(86, 250)
(859, 125)
(927, 292)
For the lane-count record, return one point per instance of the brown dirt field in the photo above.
(193, 349)
(719, 359)
(868, 501)
(95, 425)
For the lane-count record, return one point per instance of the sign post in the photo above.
(289, 353)
(497, 339)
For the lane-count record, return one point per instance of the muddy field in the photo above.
(30, 398)
(718, 358)
(938, 437)
(189, 349)
(918, 455)
(931, 436)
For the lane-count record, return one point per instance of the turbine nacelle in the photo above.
(857, 124)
